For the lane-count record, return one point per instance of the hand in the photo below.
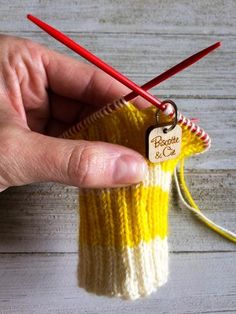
(43, 93)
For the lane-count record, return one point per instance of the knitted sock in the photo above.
(123, 249)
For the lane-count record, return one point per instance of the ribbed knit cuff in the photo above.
(123, 240)
(123, 231)
(128, 273)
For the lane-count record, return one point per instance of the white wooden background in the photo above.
(38, 223)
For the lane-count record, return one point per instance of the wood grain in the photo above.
(42, 218)
(38, 223)
(41, 283)
(212, 77)
(129, 16)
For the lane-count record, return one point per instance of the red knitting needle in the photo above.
(175, 69)
(136, 90)
(95, 60)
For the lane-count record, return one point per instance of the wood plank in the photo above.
(198, 283)
(155, 16)
(213, 77)
(142, 39)
(218, 119)
(214, 192)
(42, 217)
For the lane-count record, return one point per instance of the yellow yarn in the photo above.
(194, 208)
(123, 231)
(137, 222)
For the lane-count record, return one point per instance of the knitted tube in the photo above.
(123, 248)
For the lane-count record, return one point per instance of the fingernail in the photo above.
(129, 169)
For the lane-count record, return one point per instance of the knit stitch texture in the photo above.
(123, 248)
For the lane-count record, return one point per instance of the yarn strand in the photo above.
(195, 209)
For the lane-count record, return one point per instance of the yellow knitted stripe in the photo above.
(127, 126)
(191, 144)
(122, 217)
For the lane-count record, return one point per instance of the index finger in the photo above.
(75, 79)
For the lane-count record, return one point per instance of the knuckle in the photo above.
(81, 165)
(8, 145)
(9, 149)
(13, 144)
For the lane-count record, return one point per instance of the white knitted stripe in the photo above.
(158, 177)
(129, 274)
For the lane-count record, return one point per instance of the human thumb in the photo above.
(32, 157)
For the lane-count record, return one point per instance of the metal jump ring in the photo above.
(168, 101)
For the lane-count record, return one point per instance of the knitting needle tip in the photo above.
(175, 69)
(114, 73)
(95, 60)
